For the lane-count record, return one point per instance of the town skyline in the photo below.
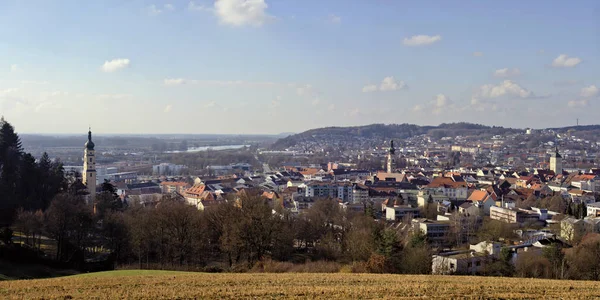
(150, 66)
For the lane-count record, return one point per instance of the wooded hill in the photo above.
(391, 131)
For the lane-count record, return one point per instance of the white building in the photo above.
(167, 169)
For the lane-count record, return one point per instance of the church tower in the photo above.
(556, 162)
(89, 168)
(391, 160)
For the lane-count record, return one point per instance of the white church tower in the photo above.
(556, 162)
(89, 168)
(391, 159)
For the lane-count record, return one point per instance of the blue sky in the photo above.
(264, 66)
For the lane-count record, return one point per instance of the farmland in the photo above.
(181, 285)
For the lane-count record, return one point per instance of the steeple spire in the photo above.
(89, 144)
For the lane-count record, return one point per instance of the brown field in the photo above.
(179, 285)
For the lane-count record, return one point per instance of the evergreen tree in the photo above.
(10, 157)
(108, 200)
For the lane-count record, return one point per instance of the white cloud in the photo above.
(390, 84)
(590, 91)
(441, 100)
(174, 81)
(477, 53)
(169, 7)
(153, 11)
(441, 103)
(387, 84)
(210, 104)
(15, 68)
(195, 7)
(331, 107)
(578, 103)
(115, 64)
(181, 81)
(421, 40)
(507, 87)
(506, 72)
(369, 88)
(353, 112)
(564, 61)
(334, 19)
(242, 12)
(168, 108)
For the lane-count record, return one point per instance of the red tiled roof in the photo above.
(478, 196)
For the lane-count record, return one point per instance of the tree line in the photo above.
(24, 182)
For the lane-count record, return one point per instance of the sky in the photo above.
(273, 66)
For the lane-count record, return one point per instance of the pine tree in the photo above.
(10, 156)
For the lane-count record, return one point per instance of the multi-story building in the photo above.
(436, 231)
(360, 193)
(167, 169)
(397, 213)
(341, 190)
(517, 215)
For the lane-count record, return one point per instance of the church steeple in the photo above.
(391, 160)
(392, 149)
(89, 167)
(89, 144)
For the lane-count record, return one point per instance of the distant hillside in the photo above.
(391, 131)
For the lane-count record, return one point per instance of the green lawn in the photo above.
(132, 273)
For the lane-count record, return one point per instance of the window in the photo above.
(470, 264)
(451, 266)
(478, 263)
(90, 159)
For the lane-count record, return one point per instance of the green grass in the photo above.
(132, 273)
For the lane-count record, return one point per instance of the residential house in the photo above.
(459, 262)
(580, 196)
(453, 190)
(469, 209)
(587, 182)
(593, 209)
(482, 200)
(174, 186)
(572, 228)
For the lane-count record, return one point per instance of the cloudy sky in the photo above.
(271, 66)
